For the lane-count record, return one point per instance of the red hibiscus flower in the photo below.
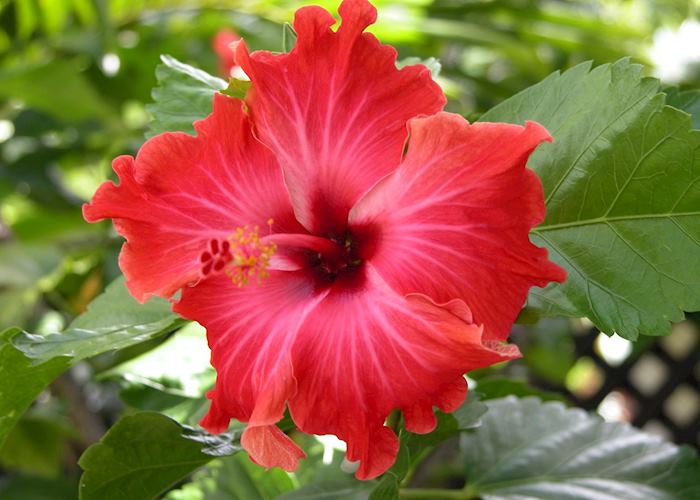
(221, 43)
(336, 275)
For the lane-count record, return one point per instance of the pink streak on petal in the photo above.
(182, 191)
(454, 219)
(365, 352)
(251, 331)
(334, 110)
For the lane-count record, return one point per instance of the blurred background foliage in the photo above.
(75, 79)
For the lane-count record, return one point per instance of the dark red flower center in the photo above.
(345, 259)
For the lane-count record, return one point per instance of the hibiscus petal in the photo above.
(334, 110)
(250, 332)
(454, 219)
(365, 352)
(182, 191)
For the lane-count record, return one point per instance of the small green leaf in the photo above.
(184, 95)
(431, 63)
(237, 88)
(387, 489)
(688, 101)
(289, 37)
(499, 387)
(620, 183)
(114, 320)
(529, 449)
(144, 454)
(21, 381)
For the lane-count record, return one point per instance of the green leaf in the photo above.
(72, 100)
(143, 454)
(387, 489)
(237, 88)
(289, 37)
(235, 478)
(332, 490)
(431, 63)
(499, 387)
(21, 381)
(34, 488)
(184, 95)
(114, 320)
(36, 446)
(623, 197)
(22, 270)
(529, 449)
(688, 101)
(28, 363)
(414, 446)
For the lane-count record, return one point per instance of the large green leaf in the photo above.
(114, 320)
(184, 95)
(623, 197)
(21, 381)
(144, 454)
(28, 363)
(529, 449)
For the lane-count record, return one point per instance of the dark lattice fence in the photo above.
(655, 388)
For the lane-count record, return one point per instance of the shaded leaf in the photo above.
(688, 101)
(414, 446)
(184, 95)
(236, 478)
(499, 387)
(144, 454)
(36, 446)
(529, 449)
(622, 193)
(332, 490)
(21, 381)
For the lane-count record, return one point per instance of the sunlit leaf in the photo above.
(184, 95)
(529, 449)
(114, 320)
(620, 183)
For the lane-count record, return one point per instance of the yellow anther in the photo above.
(250, 256)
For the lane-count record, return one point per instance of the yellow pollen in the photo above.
(249, 256)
